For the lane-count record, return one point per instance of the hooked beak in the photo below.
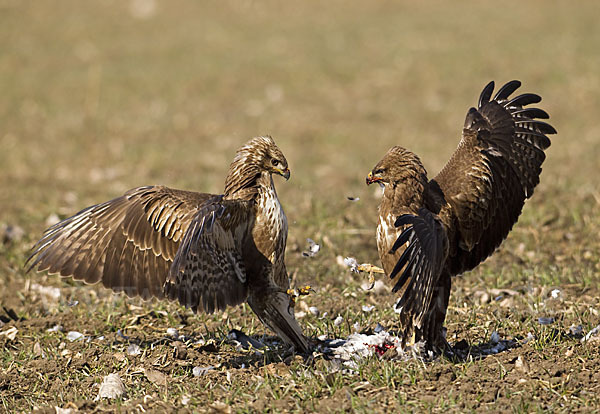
(373, 179)
(285, 173)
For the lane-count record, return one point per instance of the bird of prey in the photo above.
(432, 229)
(206, 251)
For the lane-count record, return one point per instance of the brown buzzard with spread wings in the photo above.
(431, 230)
(206, 251)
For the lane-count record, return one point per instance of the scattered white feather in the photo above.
(593, 335)
(313, 248)
(368, 308)
(338, 321)
(352, 264)
(112, 387)
(73, 336)
(358, 346)
(10, 333)
(55, 328)
(134, 349)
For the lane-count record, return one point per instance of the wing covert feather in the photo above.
(208, 272)
(127, 243)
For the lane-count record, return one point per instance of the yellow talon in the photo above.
(367, 267)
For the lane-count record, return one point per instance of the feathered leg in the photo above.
(275, 309)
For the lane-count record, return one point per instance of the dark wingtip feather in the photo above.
(505, 91)
(405, 219)
(404, 258)
(403, 238)
(486, 94)
(542, 127)
(525, 99)
(532, 113)
(542, 140)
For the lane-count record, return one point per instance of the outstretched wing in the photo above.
(127, 243)
(421, 262)
(495, 168)
(208, 272)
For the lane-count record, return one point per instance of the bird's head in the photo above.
(396, 165)
(273, 160)
(258, 157)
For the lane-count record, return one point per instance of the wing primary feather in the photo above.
(542, 141)
(403, 277)
(405, 219)
(404, 258)
(505, 91)
(532, 113)
(401, 240)
(486, 94)
(541, 126)
(522, 100)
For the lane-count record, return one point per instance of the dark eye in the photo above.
(379, 171)
(275, 162)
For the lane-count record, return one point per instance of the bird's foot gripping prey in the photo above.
(206, 251)
(432, 229)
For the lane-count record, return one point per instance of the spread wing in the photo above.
(208, 272)
(421, 262)
(127, 243)
(495, 168)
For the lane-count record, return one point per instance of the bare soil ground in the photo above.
(99, 97)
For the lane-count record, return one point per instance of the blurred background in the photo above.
(101, 96)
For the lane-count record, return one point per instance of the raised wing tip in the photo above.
(506, 90)
(486, 94)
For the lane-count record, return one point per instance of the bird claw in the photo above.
(371, 281)
(367, 267)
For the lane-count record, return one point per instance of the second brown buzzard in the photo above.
(206, 251)
(432, 229)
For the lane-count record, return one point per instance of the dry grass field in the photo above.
(98, 97)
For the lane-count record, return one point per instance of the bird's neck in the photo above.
(248, 184)
(406, 195)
